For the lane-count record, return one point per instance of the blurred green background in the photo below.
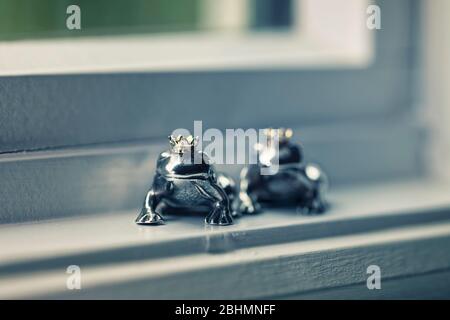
(21, 19)
(25, 19)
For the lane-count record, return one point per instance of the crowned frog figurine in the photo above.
(186, 181)
(294, 183)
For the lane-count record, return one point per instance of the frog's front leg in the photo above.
(317, 184)
(220, 213)
(149, 214)
(313, 204)
(247, 199)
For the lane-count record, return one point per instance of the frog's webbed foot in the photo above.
(247, 205)
(219, 215)
(148, 215)
(317, 205)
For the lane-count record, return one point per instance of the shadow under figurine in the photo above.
(185, 180)
(294, 184)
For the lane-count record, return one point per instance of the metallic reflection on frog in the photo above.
(185, 180)
(294, 184)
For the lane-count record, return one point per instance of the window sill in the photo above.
(275, 253)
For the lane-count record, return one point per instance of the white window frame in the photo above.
(436, 102)
(321, 38)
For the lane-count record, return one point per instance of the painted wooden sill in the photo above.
(403, 227)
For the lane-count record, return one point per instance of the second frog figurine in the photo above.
(295, 183)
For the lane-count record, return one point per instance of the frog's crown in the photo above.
(282, 133)
(180, 143)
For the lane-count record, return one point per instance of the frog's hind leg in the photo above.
(220, 213)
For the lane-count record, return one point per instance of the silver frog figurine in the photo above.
(186, 181)
(293, 184)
